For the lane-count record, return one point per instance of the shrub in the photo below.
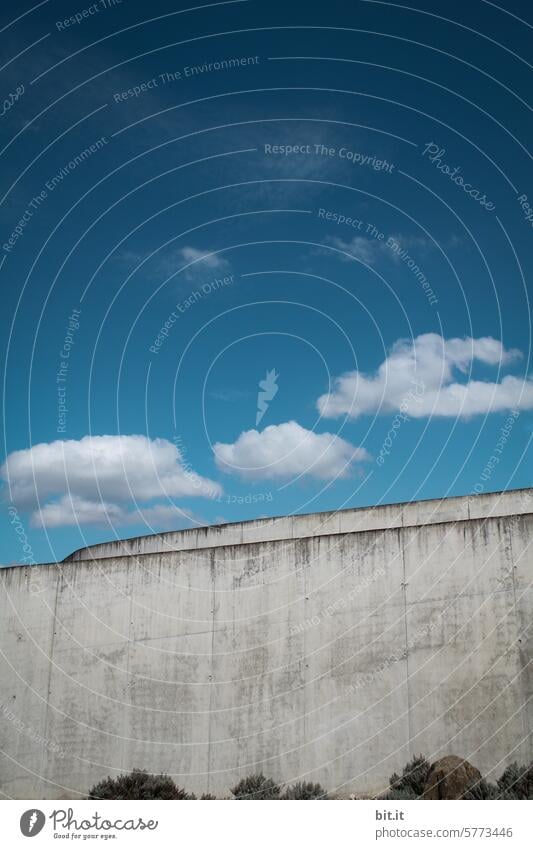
(481, 790)
(518, 781)
(138, 784)
(412, 780)
(485, 790)
(401, 794)
(305, 790)
(256, 787)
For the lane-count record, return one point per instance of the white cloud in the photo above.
(285, 450)
(165, 516)
(397, 245)
(419, 376)
(71, 510)
(210, 260)
(369, 249)
(366, 250)
(196, 262)
(98, 478)
(175, 259)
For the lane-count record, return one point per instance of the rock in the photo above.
(449, 777)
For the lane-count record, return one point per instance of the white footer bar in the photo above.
(267, 825)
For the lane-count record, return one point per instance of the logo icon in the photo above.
(269, 389)
(32, 822)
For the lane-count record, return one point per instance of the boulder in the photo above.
(449, 777)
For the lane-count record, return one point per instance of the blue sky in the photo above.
(330, 200)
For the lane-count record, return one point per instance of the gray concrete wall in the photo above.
(329, 647)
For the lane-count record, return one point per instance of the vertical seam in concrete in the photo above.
(131, 573)
(49, 682)
(304, 660)
(404, 587)
(212, 682)
(522, 679)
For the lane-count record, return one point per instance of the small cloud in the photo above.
(369, 250)
(398, 246)
(287, 450)
(195, 262)
(191, 261)
(128, 257)
(210, 260)
(366, 250)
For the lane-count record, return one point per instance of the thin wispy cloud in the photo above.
(370, 250)
(192, 262)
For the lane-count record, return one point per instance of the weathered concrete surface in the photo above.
(331, 647)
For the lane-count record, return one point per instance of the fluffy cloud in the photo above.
(286, 450)
(71, 510)
(97, 478)
(420, 376)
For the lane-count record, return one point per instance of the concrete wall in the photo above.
(329, 647)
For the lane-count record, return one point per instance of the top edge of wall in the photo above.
(352, 520)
